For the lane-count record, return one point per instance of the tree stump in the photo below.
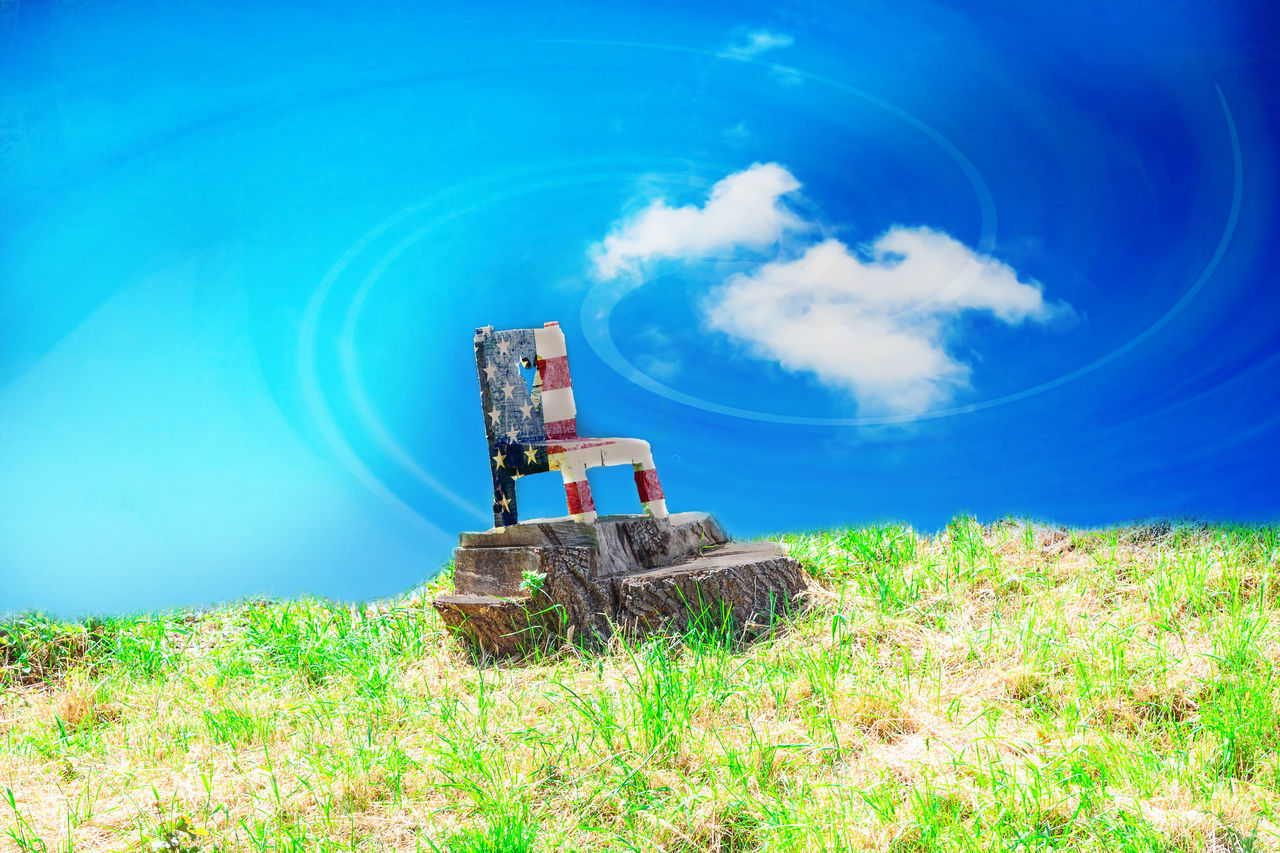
(627, 572)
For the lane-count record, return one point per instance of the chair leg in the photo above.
(504, 500)
(578, 492)
(649, 488)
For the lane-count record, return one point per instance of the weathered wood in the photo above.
(499, 626)
(493, 571)
(628, 542)
(640, 573)
(749, 585)
(637, 538)
(540, 531)
(572, 582)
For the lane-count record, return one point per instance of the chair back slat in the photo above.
(560, 415)
(512, 411)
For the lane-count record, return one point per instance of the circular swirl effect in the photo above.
(332, 294)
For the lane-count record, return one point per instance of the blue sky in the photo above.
(838, 263)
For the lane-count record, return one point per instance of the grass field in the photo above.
(1007, 687)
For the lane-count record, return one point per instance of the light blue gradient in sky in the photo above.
(243, 250)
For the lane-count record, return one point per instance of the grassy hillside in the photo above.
(1006, 687)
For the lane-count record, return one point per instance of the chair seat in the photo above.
(573, 456)
(595, 452)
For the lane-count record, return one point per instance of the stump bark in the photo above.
(634, 573)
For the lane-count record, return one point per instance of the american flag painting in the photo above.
(532, 426)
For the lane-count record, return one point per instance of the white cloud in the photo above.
(744, 210)
(874, 321)
(756, 43)
(875, 326)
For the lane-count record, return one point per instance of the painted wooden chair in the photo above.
(532, 427)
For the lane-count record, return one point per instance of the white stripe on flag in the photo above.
(558, 405)
(549, 342)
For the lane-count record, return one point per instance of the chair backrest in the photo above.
(514, 413)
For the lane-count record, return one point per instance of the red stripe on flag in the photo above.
(647, 485)
(567, 428)
(579, 497)
(554, 373)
